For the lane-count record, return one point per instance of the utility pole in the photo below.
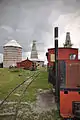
(57, 89)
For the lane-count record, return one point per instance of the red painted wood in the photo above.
(27, 64)
(66, 103)
(63, 54)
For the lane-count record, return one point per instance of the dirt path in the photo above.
(45, 101)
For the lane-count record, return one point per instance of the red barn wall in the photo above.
(27, 64)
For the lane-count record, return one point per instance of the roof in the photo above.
(25, 60)
(37, 60)
(12, 43)
(62, 48)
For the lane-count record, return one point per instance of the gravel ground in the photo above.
(43, 109)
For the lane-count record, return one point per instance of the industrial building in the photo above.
(12, 53)
(28, 63)
(34, 55)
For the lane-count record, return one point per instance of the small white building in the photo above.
(12, 53)
(38, 61)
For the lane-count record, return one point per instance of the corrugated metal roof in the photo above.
(12, 43)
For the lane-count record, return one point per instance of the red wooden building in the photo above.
(26, 64)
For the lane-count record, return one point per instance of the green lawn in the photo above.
(11, 78)
(40, 83)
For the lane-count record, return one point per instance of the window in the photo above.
(72, 56)
(52, 57)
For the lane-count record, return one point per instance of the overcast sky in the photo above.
(26, 20)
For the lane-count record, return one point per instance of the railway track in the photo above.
(25, 84)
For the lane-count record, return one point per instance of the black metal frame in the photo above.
(70, 89)
(57, 87)
(75, 110)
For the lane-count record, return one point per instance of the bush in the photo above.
(15, 70)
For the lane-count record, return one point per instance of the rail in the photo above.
(29, 81)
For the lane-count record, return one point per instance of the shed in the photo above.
(26, 64)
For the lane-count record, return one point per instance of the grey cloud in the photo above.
(7, 28)
(25, 20)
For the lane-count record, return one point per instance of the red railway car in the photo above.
(63, 54)
(70, 90)
(67, 69)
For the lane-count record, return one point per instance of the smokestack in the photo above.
(68, 36)
(68, 43)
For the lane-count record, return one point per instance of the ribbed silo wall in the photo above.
(11, 56)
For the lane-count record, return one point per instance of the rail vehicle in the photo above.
(64, 74)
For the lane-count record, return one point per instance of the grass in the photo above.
(11, 78)
(39, 83)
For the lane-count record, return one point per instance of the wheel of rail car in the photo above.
(77, 115)
(69, 119)
(76, 118)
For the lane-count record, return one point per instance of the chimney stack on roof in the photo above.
(68, 43)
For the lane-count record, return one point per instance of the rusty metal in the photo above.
(73, 75)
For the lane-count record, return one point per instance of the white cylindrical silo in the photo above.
(12, 53)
